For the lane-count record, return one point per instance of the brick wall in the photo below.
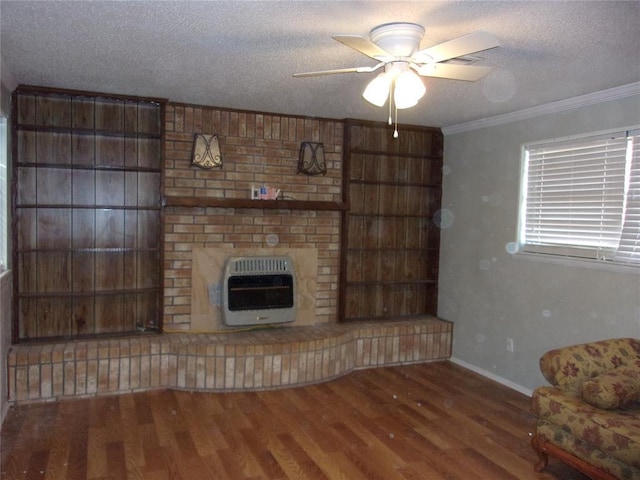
(256, 149)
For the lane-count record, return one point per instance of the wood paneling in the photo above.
(87, 191)
(390, 243)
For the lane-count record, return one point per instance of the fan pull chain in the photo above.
(395, 131)
(390, 100)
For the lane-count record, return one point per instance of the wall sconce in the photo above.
(206, 151)
(311, 160)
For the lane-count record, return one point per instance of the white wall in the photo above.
(490, 294)
(7, 85)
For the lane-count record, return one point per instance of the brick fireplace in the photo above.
(257, 149)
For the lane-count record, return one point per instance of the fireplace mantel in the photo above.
(175, 201)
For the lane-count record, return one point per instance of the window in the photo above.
(4, 195)
(581, 198)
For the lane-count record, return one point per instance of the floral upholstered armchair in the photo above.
(590, 417)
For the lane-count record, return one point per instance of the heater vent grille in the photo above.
(259, 265)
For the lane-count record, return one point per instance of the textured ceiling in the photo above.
(242, 54)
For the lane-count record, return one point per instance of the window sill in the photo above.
(578, 262)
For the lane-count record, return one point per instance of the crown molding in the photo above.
(615, 93)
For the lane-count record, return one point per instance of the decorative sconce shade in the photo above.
(206, 151)
(408, 90)
(311, 161)
(378, 89)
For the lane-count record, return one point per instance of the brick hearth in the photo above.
(249, 360)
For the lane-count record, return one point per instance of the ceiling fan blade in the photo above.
(468, 73)
(362, 45)
(458, 47)
(340, 70)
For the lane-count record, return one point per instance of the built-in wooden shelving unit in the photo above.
(87, 218)
(390, 242)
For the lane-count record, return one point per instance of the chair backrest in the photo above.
(568, 367)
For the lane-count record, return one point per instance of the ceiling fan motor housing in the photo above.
(399, 39)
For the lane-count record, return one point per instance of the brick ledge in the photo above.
(251, 360)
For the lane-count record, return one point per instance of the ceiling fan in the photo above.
(395, 47)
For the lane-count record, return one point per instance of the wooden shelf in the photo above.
(248, 203)
(92, 293)
(394, 184)
(391, 249)
(93, 132)
(425, 216)
(75, 206)
(391, 283)
(381, 153)
(93, 168)
(87, 250)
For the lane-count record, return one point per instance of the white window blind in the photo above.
(581, 198)
(629, 248)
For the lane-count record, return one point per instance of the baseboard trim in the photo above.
(496, 378)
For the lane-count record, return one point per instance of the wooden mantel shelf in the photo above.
(173, 201)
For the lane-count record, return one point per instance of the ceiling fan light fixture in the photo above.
(408, 90)
(400, 39)
(377, 90)
(396, 47)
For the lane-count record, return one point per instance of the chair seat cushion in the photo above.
(576, 447)
(616, 432)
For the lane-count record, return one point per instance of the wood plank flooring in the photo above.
(429, 421)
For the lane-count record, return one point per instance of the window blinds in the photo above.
(629, 248)
(580, 198)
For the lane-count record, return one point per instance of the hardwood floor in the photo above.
(428, 421)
